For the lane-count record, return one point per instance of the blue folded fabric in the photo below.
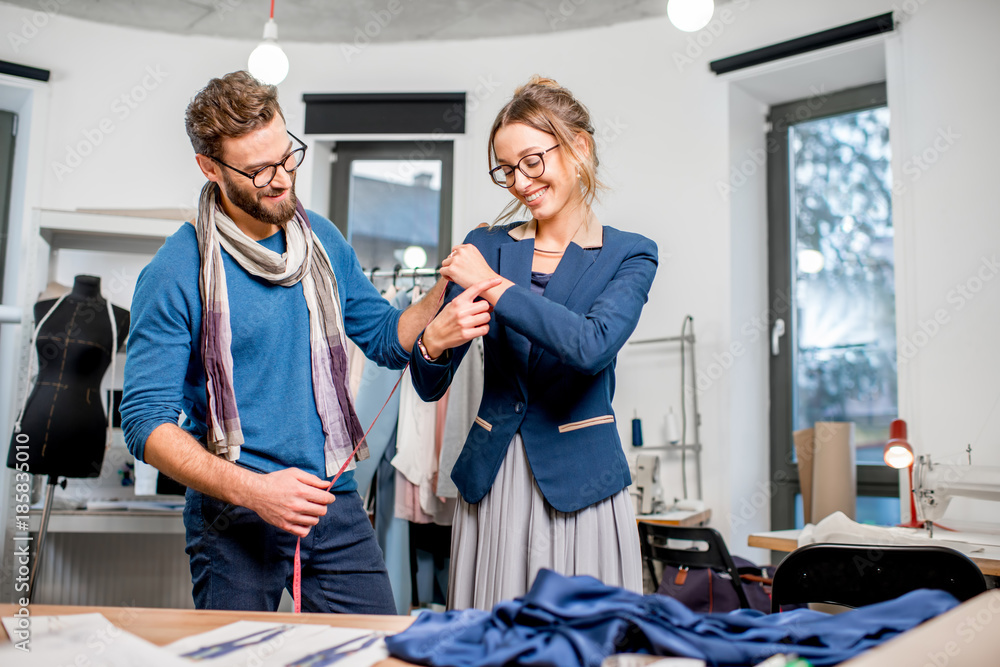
(573, 621)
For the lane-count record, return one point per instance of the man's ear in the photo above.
(208, 167)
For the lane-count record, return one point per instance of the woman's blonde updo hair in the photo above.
(548, 107)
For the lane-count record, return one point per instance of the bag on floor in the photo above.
(704, 590)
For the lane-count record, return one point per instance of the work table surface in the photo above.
(163, 626)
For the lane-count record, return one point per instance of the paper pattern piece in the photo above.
(83, 639)
(282, 645)
(92, 640)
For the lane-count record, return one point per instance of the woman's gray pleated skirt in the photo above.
(499, 544)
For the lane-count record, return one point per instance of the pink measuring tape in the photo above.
(297, 567)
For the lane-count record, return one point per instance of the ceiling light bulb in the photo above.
(690, 15)
(268, 63)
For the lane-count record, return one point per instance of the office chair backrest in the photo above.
(857, 575)
(653, 539)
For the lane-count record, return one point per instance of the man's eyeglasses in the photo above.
(531, 165)
(263, 176)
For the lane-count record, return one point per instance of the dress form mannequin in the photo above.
(64, 423)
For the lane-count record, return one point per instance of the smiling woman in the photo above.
(542, 475)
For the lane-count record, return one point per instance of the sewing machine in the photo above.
(647, 495)
(935, 484)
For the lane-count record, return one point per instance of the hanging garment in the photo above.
(567, 622)
(377, 383)
(464, 397)
(417, 461)
(408, 501)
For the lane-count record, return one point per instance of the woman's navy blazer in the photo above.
(550, 363)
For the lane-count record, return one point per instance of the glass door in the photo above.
(832, 269)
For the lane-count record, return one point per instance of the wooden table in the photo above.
(677, 518)
(988, 559)
(163, 626)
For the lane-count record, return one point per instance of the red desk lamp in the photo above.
(899, 454)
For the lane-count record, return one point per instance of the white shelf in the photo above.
(89, 521)
(104, 232)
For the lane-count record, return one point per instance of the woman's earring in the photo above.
(578, 174)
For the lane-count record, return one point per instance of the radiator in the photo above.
(134, 570)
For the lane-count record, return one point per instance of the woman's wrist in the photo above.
(493, 294)
(429, 348)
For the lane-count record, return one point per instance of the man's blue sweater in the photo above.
(272, 372)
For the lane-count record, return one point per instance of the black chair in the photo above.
(854, 575)
(653, 541)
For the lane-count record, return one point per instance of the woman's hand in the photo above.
(466, 267)
(462, 320)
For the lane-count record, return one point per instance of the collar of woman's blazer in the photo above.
(590, 234)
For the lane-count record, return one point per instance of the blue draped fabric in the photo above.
(572, 621)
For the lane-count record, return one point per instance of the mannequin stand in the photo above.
(43, 530)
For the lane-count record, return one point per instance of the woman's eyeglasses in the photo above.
(531, 165)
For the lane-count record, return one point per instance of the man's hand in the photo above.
(290, 499)
(462, 320)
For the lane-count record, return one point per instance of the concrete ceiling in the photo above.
(349, 20)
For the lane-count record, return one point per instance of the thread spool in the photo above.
(673, 434)
(636, 431)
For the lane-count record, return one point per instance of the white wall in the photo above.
(666, 138)
(949, 244)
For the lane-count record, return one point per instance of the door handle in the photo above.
(777, 331)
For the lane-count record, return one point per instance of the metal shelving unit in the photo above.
(683, 447)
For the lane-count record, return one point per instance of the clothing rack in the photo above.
(684, 446)
(401, 273)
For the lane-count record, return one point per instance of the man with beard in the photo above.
(240, 322)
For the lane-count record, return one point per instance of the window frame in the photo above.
(344, 153)
(872, 480)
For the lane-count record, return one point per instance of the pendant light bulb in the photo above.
(690, 15)
(268, 63)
